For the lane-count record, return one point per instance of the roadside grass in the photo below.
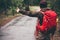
(33, 8)
(5, 19)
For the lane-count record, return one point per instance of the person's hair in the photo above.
(43, 4)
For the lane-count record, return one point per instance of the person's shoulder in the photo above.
(48, 10)
(51, 12)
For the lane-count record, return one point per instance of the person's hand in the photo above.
(17, 10)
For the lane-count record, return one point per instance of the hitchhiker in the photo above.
(46, 24)
(48, 27)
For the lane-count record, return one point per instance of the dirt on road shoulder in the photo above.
(7, 19)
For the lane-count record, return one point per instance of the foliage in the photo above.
(12, 4)
(31, 2)
(6, 5)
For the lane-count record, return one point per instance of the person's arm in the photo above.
(29, 13)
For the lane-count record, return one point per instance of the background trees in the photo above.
(7, 6)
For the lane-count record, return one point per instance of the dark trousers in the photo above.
(46, 35)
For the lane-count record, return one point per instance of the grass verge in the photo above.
(5, 20)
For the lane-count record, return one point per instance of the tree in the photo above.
(4, 5)
(9, 4)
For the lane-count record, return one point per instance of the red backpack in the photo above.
(49, 21)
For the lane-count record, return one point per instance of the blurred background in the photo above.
(8, 8)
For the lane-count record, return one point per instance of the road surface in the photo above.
(20, 28)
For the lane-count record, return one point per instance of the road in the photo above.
(20, 28)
